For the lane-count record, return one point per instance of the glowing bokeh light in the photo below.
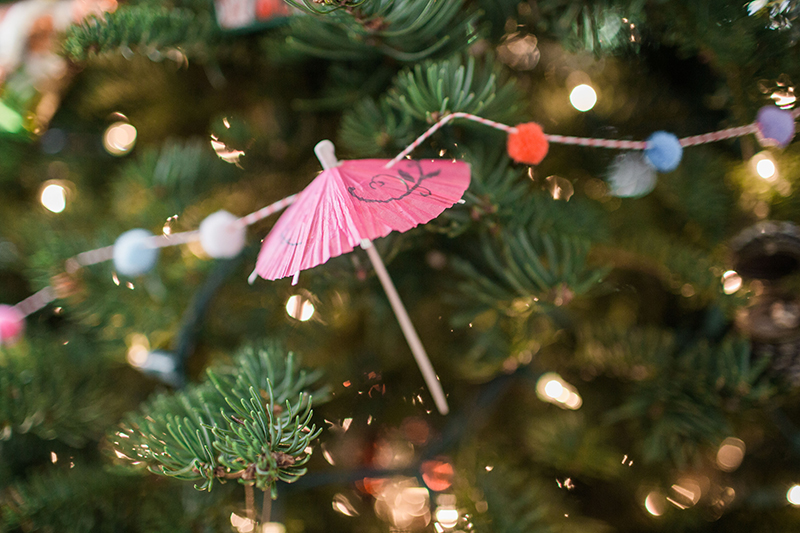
(242, 524)
(583, 97)
(447, 517)
(655, 504)
(553, 389)
(54, 197)
(341, 504)
(730, 454)
(793, 495)
(765, 168)
(138, 350)
(299, 308)
(119, 138)
(437, 475)
(731, 282)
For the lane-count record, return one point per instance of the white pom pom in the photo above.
(133, 254)
(221, 238)
(631, 176)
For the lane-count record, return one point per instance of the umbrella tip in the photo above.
(326, 153)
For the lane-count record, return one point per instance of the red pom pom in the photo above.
(528, 145)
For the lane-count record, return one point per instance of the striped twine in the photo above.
(264, 212)
(163, 241)
(36, 301)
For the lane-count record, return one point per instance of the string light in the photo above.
(553, 389)
(119, 138)
(54, 197)
(731, 282)
(793, 495)
(655, 503)
(765, 166)
(583, 97)
(299, 308)
(730, 454)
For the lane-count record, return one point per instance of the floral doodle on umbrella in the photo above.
(379, 181)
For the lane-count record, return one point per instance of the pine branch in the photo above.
(683, 404)
(55, 393)
(144, 29)
(230, 427)
(596, 26)
(422, 95)
(92, 499)
(526, 264)
(406, 31)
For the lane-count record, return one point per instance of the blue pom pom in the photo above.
(132, 254)
(663, 151)
(775, 126)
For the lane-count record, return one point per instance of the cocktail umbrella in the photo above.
(353, 202)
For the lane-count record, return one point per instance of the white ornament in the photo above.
(134, 253)
(631, 176)
(220, 237)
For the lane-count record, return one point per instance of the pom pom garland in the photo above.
(663, 151)
(631, 176)
(220, 236)
(134, 255)
(775, 126)
(12, 324)
(528, 144)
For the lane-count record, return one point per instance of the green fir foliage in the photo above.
(241, 424)
(405, 31)
(146, 29)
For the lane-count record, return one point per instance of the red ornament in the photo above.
(528, 144)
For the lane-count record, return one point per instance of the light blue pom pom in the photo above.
(663, 151)
(132, 254)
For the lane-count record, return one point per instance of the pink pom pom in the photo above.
(12, 323)
(528, 144)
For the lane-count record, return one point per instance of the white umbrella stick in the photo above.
(424, 363)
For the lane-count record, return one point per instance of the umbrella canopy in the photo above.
(349, 204)
(357, 200)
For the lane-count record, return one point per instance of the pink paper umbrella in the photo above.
(353, 202)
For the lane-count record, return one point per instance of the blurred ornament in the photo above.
(663, 151)
(250, 14)
(528, 144)
(775, 126)
(12, 324)
(767, 250)
(133, 253)
(32, 73)
(631, 176)
(221, 237)
(773, 323)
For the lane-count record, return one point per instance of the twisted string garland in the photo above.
(46, 295)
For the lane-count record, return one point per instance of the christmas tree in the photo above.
(588, 210)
